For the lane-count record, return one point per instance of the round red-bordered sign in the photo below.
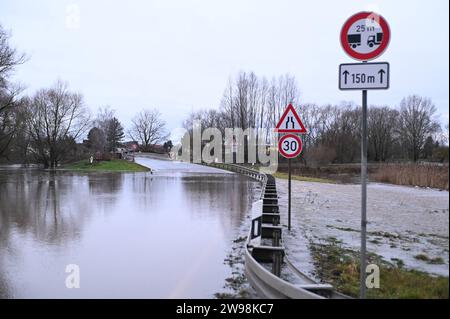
(290, 145)
(365, 36)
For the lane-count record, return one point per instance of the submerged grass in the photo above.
(426, 258)
(340, 267)
(107, 166)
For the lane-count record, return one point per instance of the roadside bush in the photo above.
(319, 155)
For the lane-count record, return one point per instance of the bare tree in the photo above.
(263, 108)
(444, 135)
(9, 57)
(11, 107)
(9, 94)
(416, 123)
(57, 118)
(147, 128)
(241, 100)
(251, 101)
(112, 129)
(312, 119)
(227, 105)
(334, 130)
(382, 122)
(13, 137)
(341, 131)
(104, 116)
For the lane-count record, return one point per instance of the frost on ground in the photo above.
(408, 226)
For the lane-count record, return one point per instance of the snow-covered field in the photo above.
(403, 222)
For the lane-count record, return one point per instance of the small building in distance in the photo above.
(156, 148)
(132, 146)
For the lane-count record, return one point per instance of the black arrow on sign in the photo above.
(381, 73)
(346, 73)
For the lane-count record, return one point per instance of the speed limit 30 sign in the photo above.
(290, 145)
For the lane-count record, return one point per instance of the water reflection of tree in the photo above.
(47, 207)
(51, 206)
(142, 183)
(4, 287)
(31, 203)
(147, 188)
(35, 204)
(105, 183)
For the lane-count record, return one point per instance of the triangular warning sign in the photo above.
(290, 122)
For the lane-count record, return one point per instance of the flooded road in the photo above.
(134, 235)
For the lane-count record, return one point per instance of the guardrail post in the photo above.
(276, 264)
(276, 220)
(276, 239)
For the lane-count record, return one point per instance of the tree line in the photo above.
(409, 131)
(48, 126)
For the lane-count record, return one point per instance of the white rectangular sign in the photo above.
(364, 76)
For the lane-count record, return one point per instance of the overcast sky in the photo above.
(177, 56)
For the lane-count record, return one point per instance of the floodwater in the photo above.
(134, 235)
(403, 222)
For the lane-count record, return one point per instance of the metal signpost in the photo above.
(364, 37)
(290, 145)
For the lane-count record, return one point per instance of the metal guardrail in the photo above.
(241, 170)
(269, 284)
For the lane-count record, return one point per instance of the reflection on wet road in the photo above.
(136, 235)
(172, 167)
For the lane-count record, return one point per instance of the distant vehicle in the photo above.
(354, 40)
(372, 40)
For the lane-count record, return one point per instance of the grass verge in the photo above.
(423, 175)
(340, 267)
(107, 166)
(303, 178)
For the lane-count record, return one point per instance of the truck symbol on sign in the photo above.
(375, 39)
(354, 40)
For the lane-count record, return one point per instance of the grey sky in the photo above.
(177, 56)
